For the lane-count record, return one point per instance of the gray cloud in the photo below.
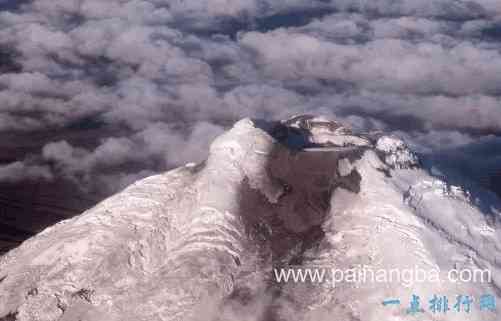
(18, 171)
(149, 83)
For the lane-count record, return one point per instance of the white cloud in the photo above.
(156, 83)
(388, 65)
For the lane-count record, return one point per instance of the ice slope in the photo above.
(201, 242)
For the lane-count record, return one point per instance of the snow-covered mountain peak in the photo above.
(202, 242)
(320, 132)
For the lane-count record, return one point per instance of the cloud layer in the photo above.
(122, 89)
